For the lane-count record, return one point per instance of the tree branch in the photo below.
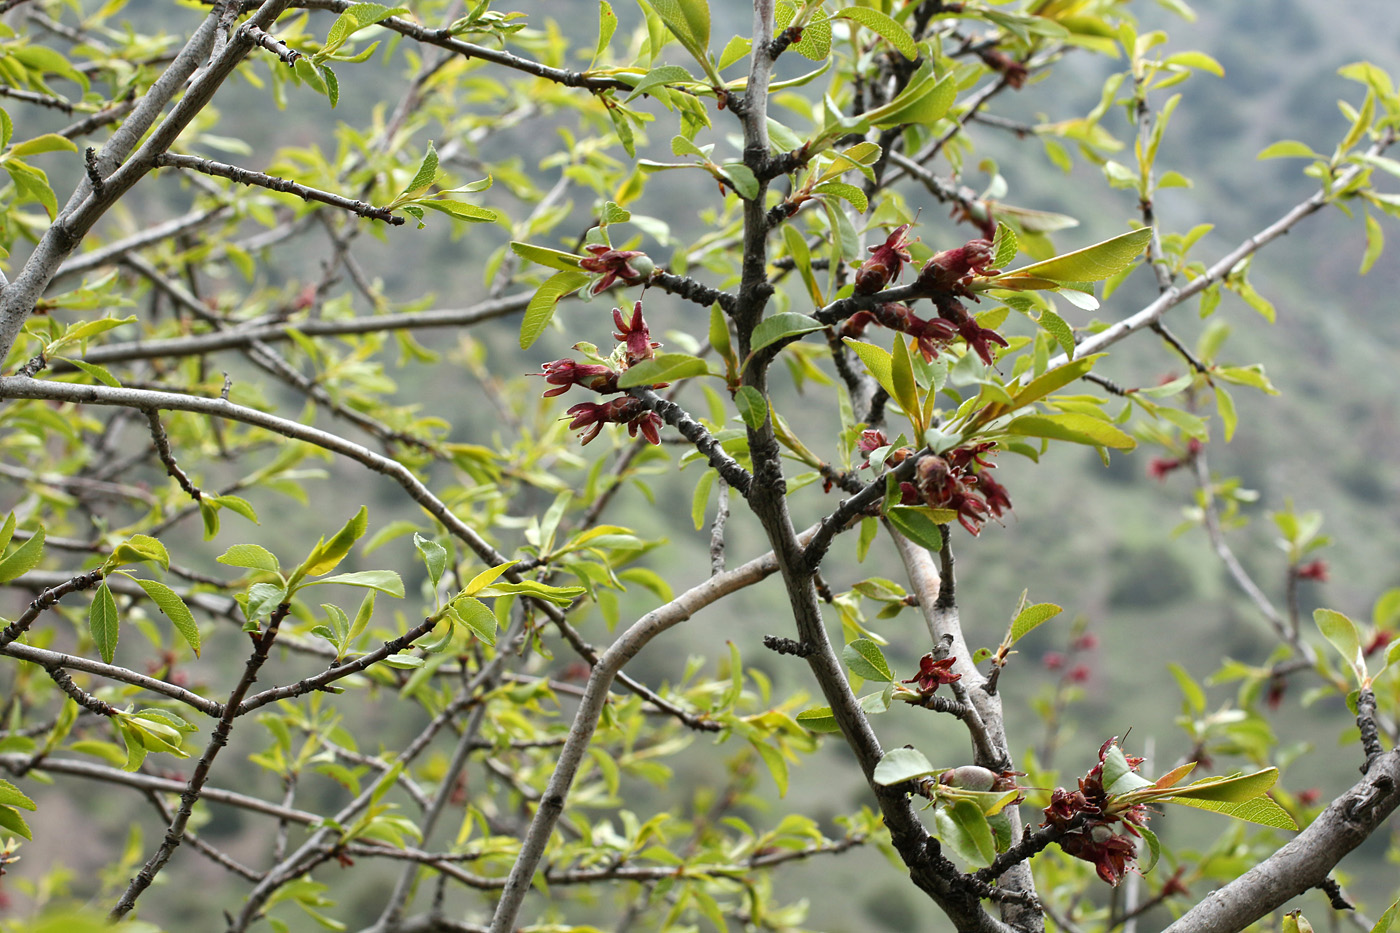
(274, 183)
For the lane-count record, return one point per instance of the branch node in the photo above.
(800, 649)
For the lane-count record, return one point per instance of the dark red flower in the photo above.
(627, 410)
(933, 335)
(949, 482)
(1079, 674)
(565, 373)
(1013, 71)
(1313, 570)
(1096, 838)
(1053, 660)
(1160, 467)
(946, 271)
(1086, 642)
(634, 334)
(1098, 843)
(883, 267)
(933, 673)
(630, 265)
(1309, 797)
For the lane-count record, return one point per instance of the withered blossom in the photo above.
(627, 410)
(883, 267)
(566, 373)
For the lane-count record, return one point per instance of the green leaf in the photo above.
(486, 578)
(7, 532)
(1195, 697)
(1288, 148)
(461, 210)
(876, 360)
(777, 765)
(101, 373)
(1262, 810)
(915, 524)
(607, 25)
(1237, 788)
(865, 659)
(963, 827)
(742, 178)
(923, 101)
(542, 256)
(818, 719)
(1375, 243)
(1342, 633)
(434, 556)
(906, 389)
(688, 20)
(358, 16)
(1225, 407)
(12, 822)
(403, 661)
(137, 549)
(1055, 379)
(48, 142)
(427, 171)
(385, 581)
(846, 192)
(251, 557)
(541, 309)
(103, 623)
(12, 796)
(1031, 618)
(752, 406)
(1004, 246)
(23, 558)
(1090, 264)
(327, 554)
(1072, 426)
(559, 595)
(901, 764)
(664, 367)
(780, 326)
(174, 608)
(889, 30)
(659, 77)
(478, 617)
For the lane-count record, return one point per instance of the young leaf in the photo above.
(752, 407)
(664, 367)
(901, 764)
(1342, 633)
(251, 557)
(23, 558)
(865, 659)
(175, 610)
(780, 326)
(487, 577)
(881, 24)
(541, 309)
(477, 617)
(915, 524)
(818, 719)
(1261, 810)
(103, 623)
(385, 581)
(1030, 618)
(963, 827)
(434, 556)
(1090, 264)
(1072, 426)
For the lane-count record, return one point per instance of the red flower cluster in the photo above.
(630, 265)
(566, 373)
(883, 267)
(977, 337)
(636, 345)
(950, 482)
(634, 334)
(933, 335)
(1097, 840)
(948, 270)
(626, 410)
(933, 674)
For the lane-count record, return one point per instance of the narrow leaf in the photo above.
(174, 608)
(103, 623)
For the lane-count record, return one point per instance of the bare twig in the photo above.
(274, 183)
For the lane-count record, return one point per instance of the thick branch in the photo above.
(1304, 862)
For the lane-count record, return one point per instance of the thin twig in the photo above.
(274, 183)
